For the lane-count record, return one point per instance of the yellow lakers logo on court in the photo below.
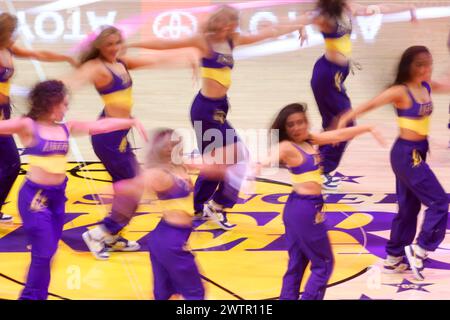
(247, 262)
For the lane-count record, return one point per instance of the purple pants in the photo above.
(307, 240)
(122, 211)
(174, 268)
(327, 83)
(114, 151)
(416, 184)
(42, 209)
(211, 114)
(9, 158)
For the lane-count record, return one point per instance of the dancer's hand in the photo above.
(373, 9)
(193, 59)
(73, 62)
(378, 137)
(413, 14)
(195, 76)
(140, 128)
(303, 36)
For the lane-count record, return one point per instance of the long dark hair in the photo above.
(44, 96)
(280, 121)
(93, 51)
(332, 8)
(404, 67)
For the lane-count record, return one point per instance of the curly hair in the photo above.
(8, 24)
(44, 96)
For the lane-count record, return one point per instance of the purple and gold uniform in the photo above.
(339, 39)
(208, 116)
(9, 156)
(114, 150)
(174, 267)
(218, 66)
(306, 236)
(416, 184)
(327, 83)
(42, 209)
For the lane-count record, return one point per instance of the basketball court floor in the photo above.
(249, 261)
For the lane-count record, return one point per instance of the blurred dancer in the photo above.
(209, 110)
(165, 175)
(42, 195)
(334, 20)
(9, 156)
(104, 65)
(416, 183)
(303, 216)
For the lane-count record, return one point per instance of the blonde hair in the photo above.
(220, 18)
(8, 24)
(93, 51)
(159, 138)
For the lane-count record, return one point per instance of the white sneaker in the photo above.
(119, 243)
(5, 218)
(394, 265)
(198, 215)
(218, 216)
(96, 245)
(416, 255)
(335, 179)
(329, 183)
